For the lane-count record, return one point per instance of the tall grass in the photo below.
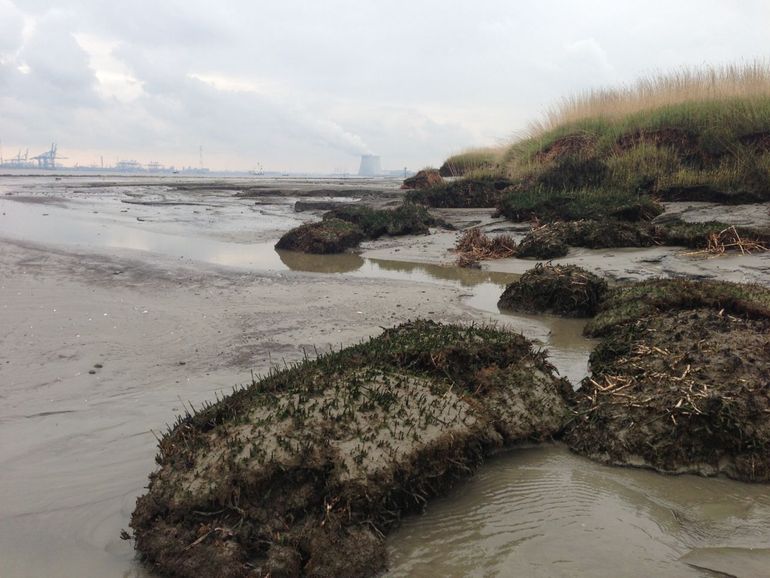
(690, 128)
(744, 82)
(485, 159)
(693, 134)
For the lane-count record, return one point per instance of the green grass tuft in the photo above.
(626, 304)
(547, 205)
(408, 219)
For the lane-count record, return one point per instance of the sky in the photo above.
(312, 85)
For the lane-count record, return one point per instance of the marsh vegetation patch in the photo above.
(305, 471)
(344, 227)
(564, 290)
(680, 381)
(328, 236)
(484, 191)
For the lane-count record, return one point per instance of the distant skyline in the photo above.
(311, 86)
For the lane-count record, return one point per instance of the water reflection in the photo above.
(191, 235)
(464, 276)
(344, 263)
(63, 226)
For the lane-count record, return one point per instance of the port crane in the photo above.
(47, 160)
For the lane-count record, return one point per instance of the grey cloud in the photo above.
(411, 80)
(58, 66)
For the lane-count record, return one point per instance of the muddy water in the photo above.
(545, 512)
(533, 512)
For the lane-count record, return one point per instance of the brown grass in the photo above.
(474, 246)
(744, 81)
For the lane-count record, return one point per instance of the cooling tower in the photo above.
(370, 166)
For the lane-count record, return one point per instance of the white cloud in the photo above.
(114, 78)
(11, 28)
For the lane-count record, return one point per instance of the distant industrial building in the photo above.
(370, 166)
(45, 160)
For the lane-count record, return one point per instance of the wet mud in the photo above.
(76, 447)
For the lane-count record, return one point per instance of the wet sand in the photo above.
(116, 315)
(76, 447)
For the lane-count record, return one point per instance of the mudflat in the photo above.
(116, 316)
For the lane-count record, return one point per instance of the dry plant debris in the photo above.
(474, 245)
(729, 240)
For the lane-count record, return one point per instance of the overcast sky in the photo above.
(312, 85)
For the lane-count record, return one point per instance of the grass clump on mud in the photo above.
(680, 381)
(327, 236)
(408, 219)
(304, 472)
(345, 227)
(553, 240)
(548, 206)
(565, 290)
(473, 191)
(627, 304)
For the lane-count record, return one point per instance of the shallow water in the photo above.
(546, 512)
(533, 512)
(223, 230)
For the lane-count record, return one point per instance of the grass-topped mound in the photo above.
(562, 289)
(627, 304)
(327, 236)
(474, 191)
(553, 240)
(408, 219)
(345, 227)
(575, 205)
(424, 179)
(461, 164)
(304, 472)
(680, 381)
(700, 134)
(692, 135)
